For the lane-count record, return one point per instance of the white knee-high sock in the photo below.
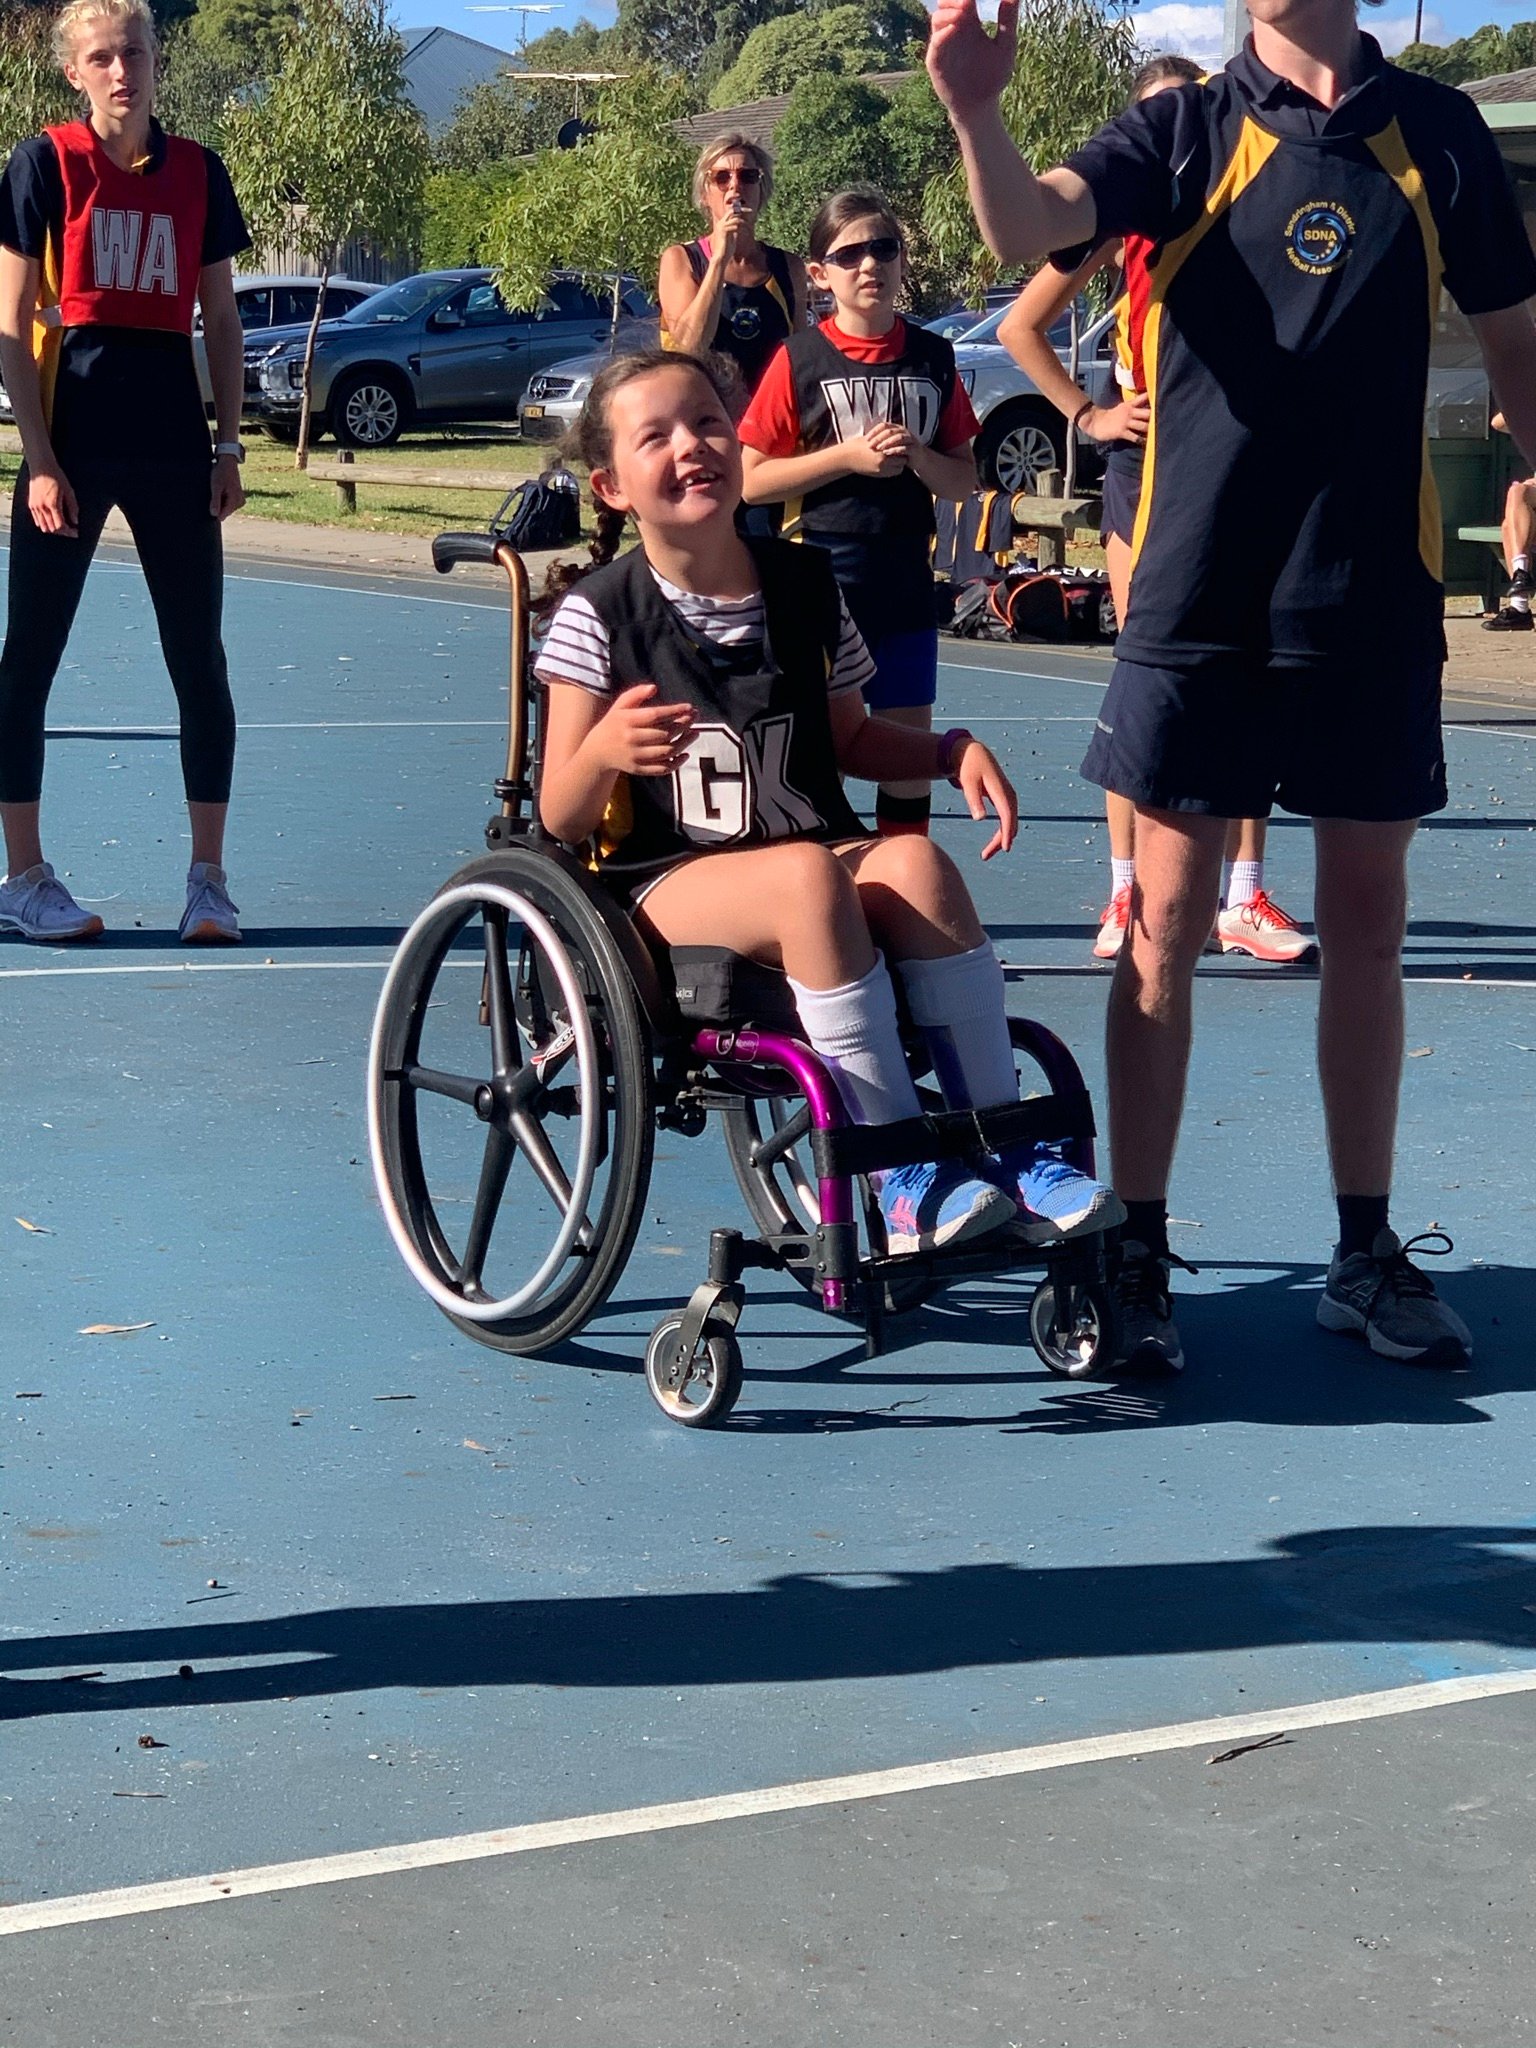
(957, 1004)
(853, 1029)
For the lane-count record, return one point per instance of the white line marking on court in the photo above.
(1498, 732)
(201, 967)
(83, 1907)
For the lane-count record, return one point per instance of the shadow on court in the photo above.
(1400, 1584)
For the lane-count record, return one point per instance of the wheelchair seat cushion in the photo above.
(717, 990)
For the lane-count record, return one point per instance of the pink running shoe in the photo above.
(1113, 926)
(1262, 929)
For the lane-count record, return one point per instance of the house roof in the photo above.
(441, 65)
(1505, 85)
(759, 119)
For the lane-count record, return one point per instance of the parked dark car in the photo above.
(271, 308)
(439, 346)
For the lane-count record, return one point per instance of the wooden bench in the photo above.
(1052, 518)
(1493, 581)
(346, 474)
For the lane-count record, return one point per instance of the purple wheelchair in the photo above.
(528, 1047)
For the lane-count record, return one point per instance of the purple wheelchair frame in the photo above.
(770, 1049)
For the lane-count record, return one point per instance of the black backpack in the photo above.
(545, 512)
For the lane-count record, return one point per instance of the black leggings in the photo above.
(181, 549)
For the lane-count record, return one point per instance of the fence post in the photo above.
(346, 492)
(1051, 547)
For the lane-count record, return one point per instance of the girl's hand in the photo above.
(1127, 421)
(53, 504)
(983, 782)
(969, 68)
(638, 736)
(228, 492)
(877, 453)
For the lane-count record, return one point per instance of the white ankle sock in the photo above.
(1122, 873)
(957, 1004)
(853, 1030)
(1245, 879)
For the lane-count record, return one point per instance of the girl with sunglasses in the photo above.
(728, 293)
(858, 425)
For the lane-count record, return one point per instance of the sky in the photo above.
(1192, 28)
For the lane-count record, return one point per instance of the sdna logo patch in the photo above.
(1318, 235)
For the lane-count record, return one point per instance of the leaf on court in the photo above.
(37, 1229)
(114, 1329)
(1421, 1052)
(471, 1445)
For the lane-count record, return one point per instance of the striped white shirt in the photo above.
(575, 649)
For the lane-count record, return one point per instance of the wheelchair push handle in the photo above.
(490, 550)
(449, 549)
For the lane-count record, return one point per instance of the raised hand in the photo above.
(969, 68)
(638, 736)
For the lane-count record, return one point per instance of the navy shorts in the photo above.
(1122, 490)
(1227, 740)
(906, 670)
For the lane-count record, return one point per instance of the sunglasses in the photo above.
(749, 176)
(884, 249)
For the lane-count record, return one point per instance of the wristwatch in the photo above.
(952, 745)
(235, 448)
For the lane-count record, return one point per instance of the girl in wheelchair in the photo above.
(704, 702)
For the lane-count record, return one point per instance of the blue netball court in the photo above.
(367, 1685)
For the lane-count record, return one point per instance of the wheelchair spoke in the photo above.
(498, 989)
(457, 1087)
(541, 1156)
(494, 1168)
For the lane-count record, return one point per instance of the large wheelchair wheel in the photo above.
(510, 1101)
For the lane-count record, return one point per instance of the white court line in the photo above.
(1497, 732)
(1225, 1731)
(1304, 977)
(204, 967)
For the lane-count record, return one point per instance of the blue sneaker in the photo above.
(928, 1206)
(1055, 1199)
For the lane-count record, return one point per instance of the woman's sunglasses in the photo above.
(884, 249)
(747, 176)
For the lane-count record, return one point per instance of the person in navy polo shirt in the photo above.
(111, 233)
(1284, 638)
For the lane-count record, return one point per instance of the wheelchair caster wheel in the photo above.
(1089, 1335)
(703, 1391)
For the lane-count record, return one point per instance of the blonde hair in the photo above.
(728, 144)
(74, 15)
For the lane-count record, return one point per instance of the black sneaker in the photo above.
(1508, 619)
(1381, 1296)
(1149, 1337)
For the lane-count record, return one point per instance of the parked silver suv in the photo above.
(439, 346)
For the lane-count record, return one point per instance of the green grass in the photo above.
(274, 489)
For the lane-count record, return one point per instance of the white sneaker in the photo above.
(210, 917)
(38, 905)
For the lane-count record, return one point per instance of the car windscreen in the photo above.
(398, 302)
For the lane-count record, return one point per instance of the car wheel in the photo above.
(1017, 446)
(367, 410)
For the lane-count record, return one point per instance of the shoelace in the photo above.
(1263, 910)
(1403, 1279)
(1143, 1282)
(46, 893)
(1119, 909)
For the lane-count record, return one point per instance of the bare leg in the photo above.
(1362, 912)
(1120, 815)
(208, 831)
(1519, 522)
(1246, 837)
(23, 846)
(1178, 875)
